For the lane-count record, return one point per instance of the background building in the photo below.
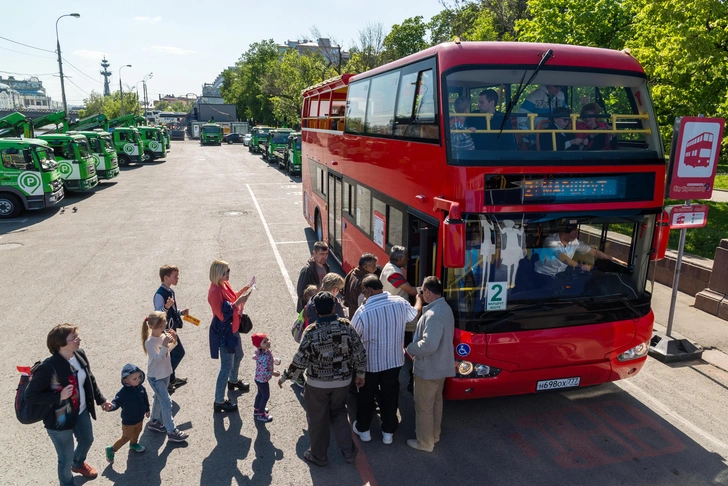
(32, 94)
(330, 51)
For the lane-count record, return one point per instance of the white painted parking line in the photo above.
(291, 242)
(279, 260)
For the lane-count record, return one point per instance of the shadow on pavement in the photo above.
(599, 434)
(27, 219)
(221, 466)
(266, 455)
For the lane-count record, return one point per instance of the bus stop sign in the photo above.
(684, 216)
(694, 158)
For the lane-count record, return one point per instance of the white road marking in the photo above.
(284, 272)
(667, 413)
(291, 242)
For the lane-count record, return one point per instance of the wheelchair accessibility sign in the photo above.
(462, 350)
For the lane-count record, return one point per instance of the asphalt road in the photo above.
(97, 267)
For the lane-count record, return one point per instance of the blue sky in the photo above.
(184, 43)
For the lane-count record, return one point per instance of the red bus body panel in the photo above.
(414, 173)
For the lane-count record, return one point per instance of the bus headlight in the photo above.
(638, 351)
(465, 368)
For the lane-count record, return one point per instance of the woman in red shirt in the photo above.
(226, 305)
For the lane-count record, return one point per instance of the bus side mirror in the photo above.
(661, 237)
(453, 243)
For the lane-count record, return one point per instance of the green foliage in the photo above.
(405, 38)
(110, 105)
(162, 105)
(454, 21)
(243, 85)
(180, 107)
(287, 79)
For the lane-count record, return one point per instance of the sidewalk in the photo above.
(701, 328)
(719, 196)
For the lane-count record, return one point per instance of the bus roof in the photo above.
(520, 54)
(328, 85)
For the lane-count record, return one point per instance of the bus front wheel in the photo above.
(319, 228)
(9, 206)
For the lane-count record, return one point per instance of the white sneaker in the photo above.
(387, 438)
(364, 436)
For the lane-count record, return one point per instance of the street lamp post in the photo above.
(121, 91)
(144, 91)
(60, 62)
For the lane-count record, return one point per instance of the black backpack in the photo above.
(27, 413)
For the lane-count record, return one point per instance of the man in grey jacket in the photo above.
(434, 360)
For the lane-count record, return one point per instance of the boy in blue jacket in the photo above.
(134, 404)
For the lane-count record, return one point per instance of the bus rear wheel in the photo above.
(319, 228)
(9, 206)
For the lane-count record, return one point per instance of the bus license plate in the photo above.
(559, 383)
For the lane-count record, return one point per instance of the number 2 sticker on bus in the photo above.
(497, 296)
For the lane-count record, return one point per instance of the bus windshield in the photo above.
(564, 115)
(546, 262)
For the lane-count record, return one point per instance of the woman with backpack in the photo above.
(65, 384)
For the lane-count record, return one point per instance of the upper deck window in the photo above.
(564, 115)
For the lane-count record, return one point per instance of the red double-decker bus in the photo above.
(478, 159)
(698, 150)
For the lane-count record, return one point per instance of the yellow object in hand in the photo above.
(192, 320)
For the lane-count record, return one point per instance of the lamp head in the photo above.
(75, 15)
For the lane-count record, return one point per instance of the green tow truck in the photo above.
(29, 176)
(210, 134)
(103, 152)
(258, 135)
(166, 137)
(72, 151)
(276, 146)
(155, 147)
(126, 141)
(292, 156)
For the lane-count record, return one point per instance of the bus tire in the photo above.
(9, 206)
(148, 156)
(124, 160)
(319, 227)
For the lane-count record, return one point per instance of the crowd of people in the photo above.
(553, 115)
(357, 332)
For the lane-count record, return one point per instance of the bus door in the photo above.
(334, 203)
(422, 247)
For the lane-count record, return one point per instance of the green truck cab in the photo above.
(75, 162)
(258, 135)
(277, 143)
(210, 134)
(103, 152)
(29, 176)
(292, 156)
(128, 145)
(155, 146)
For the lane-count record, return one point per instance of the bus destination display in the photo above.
(581, 189)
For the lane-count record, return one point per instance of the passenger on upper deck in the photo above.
(543, 101)
(593, 141)
(487, 101)
(460, 141)
(564, 141)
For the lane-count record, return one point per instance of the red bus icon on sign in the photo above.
(699, 150)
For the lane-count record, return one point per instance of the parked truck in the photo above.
(259, 134)
(211, 134)
(29, 175)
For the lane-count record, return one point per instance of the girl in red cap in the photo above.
(264, 362)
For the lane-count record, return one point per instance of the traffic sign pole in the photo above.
(676, 278)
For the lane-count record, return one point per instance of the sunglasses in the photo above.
(227, 272)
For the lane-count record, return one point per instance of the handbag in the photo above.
(246, 325)
(299, 324)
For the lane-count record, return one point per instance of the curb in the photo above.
(712, 356)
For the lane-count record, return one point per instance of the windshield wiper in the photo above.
(514, 99)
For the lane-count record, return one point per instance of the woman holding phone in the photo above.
(227, 306)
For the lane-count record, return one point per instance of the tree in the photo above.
(405, 38)
(180, 107)
(329, 48)
(93, 105)
(243, 85)
(110, 105)
(477, 20)
(596, 23)
(369, 52)
(453, 21)
(162, 105)
(289, 78)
